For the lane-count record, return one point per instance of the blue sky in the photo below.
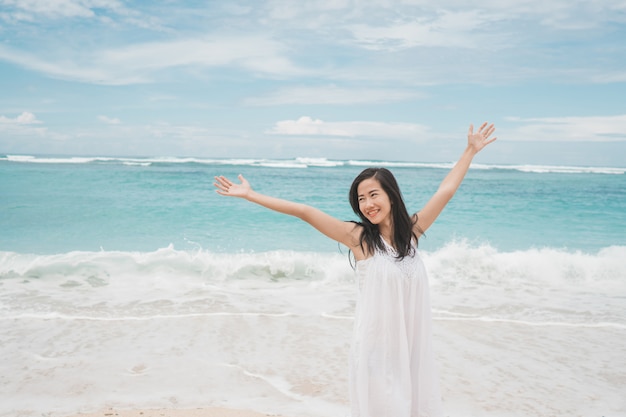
(344, 79)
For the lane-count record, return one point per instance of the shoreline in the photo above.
(167, 412)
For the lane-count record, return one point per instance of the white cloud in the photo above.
(563, 13)
(25, 125)
(315, 127)
(26, 118)
(447, 29)
(139, 63)
(609, 77)
(69, 70)
(110, 13)
(109, 120)
(332, 95)
(53, 8)
(255, 53)
(162, 97)
(590, 128)
(27, 9)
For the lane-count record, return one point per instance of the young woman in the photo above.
(392, 366)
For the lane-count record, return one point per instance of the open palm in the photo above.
(481, 138)
(227, 187)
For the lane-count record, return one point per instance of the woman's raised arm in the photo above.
(475, 143)
(338, 230)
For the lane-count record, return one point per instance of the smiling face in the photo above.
(374, 202)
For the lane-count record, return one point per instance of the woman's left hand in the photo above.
(480, 139)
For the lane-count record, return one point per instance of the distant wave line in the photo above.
(303, 163)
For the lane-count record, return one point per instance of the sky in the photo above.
(338, 79)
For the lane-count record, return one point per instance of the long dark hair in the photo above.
(402, 222)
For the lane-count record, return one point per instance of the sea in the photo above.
(128, 282)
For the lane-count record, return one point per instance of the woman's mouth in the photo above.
(372, 213)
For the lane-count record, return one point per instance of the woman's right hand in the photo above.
(227, 187)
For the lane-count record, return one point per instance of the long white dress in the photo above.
(393, 372)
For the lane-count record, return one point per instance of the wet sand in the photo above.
(200, 412)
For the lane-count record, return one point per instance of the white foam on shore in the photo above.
(532, 286)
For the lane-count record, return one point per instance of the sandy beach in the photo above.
(199, 412)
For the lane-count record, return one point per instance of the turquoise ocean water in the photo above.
(53, 205)
(129, 282)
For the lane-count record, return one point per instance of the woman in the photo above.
(392, 366)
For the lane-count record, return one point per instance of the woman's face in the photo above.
(374, 202)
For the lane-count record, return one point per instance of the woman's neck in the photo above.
(386, 232)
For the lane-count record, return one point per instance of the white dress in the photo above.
(393, 371)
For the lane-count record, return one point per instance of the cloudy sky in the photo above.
(346, 79)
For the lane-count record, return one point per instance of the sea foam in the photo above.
(536, 285)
